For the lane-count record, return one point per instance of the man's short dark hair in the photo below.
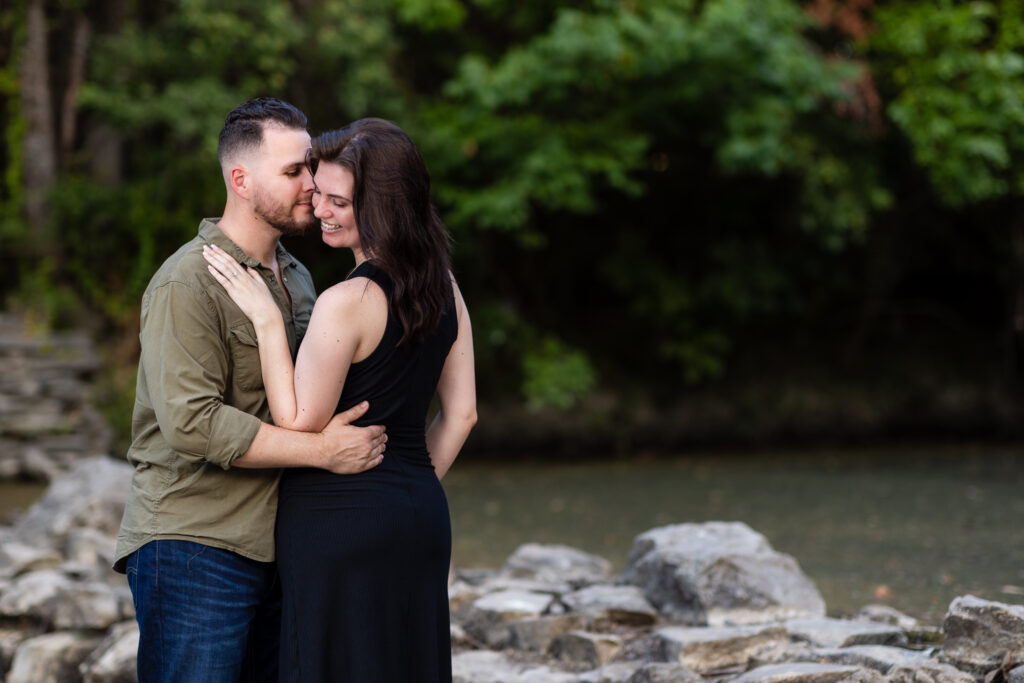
(243, 126)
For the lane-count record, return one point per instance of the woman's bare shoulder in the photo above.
(350, 294)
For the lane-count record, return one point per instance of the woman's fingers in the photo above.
(224, 268)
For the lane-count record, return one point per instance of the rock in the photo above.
(36, 464)
(502, 582)
(719, 573)
(586, 650)
(665, 672)
(474, 576)
(716, 648)
(881, 658)
(609, 605)
(487, 619)
(113, 660)
(1016, 675)
(536, 635)
(91, 494)
(928, 671)
(806, 672)
(50, 598)
(782, 652)
(461, 595)
(93, 551)
(556, 564)
(10, 639)
(979, 633)
(17, 558)
(51, 657)
(826, 632)
(883, 614)
(459, 638)
(616, 672)
(494, 667)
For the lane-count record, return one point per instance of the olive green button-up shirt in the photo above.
(199, 403)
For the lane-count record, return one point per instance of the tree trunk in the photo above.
(76, 76)
(39, 145)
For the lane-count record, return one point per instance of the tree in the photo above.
(953, 75)
(655, 157)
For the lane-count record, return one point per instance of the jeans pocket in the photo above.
(200, 549)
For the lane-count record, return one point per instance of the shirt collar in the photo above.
(211, 232)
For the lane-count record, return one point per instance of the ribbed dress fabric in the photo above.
(364, 557)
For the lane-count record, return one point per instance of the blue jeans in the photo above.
(204, 614)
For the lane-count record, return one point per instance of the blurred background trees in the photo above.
(780, 202)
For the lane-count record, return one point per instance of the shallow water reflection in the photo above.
(912, 529)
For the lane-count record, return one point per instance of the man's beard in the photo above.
(280, 217)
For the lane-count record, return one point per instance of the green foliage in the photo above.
(555, 375)
(956, 71)
(636, 189)
(620, 105)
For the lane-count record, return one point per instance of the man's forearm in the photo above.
(277, 447)
(340, 448)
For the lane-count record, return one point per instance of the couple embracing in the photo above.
(286, 519)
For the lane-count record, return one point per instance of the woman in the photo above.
(364, 558)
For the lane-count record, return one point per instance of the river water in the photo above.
(908, 528)
(912, 528)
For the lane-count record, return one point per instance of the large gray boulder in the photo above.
(719, 573)
(90, 495)
(980, 633)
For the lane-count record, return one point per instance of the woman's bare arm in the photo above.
(456, 392)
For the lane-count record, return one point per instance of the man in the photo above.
(197, 537)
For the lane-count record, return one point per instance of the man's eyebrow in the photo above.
(293, 166)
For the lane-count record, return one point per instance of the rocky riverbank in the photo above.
(711, 602)
(47, 421)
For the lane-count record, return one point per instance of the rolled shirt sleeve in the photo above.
(188, 374)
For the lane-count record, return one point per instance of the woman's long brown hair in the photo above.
(399, 229)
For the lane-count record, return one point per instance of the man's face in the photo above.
(283, 191)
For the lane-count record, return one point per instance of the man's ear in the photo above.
(239, 181)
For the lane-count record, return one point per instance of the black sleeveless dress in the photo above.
(364, 557)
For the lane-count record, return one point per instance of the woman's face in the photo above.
(332, 204)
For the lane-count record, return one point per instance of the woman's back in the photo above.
(398, 381)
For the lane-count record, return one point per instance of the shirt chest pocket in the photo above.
(245, 359)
